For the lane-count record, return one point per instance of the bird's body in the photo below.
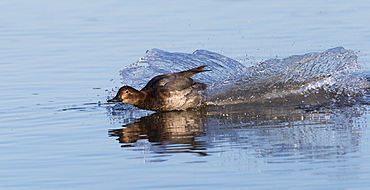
(175, 91)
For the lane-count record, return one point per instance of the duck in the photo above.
(167, 92)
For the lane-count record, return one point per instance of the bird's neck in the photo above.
(141, 96)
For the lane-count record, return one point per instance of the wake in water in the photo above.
(329, 76)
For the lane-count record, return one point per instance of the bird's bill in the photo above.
(115, 99)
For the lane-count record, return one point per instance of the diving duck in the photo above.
(174, 91)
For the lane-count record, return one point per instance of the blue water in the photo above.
(60, 60)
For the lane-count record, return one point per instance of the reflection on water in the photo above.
(168, 132)
(291, 135)
(280, 134)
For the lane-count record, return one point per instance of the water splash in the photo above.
(158, 62)
(331, 74)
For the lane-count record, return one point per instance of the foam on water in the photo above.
(332, 73)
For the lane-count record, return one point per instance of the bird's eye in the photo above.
(126, 91)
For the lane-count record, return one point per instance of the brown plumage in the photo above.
(174, 91)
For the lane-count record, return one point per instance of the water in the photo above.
(329, 72)
(60, 60)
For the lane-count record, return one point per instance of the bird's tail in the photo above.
(191, 72)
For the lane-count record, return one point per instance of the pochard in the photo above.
(167, 92)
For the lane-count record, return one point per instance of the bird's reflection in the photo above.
(174, 132)
(272, 131)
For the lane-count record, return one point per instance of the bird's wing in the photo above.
(176, 82)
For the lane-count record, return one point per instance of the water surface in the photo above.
(60, 61)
